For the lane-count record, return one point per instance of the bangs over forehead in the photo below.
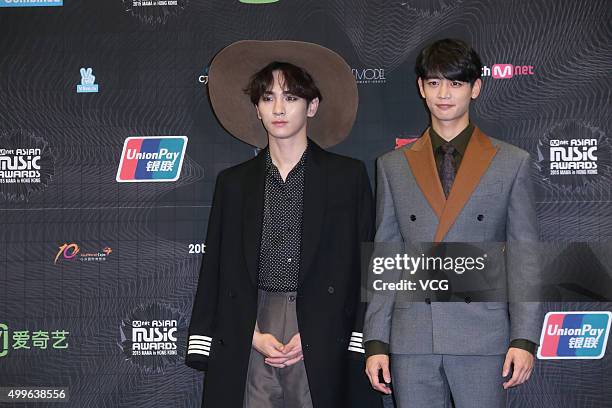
(294, 80)
(450, 59)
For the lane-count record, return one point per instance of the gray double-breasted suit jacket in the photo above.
(491, 200)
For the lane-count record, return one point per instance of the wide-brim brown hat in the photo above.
(232, 68)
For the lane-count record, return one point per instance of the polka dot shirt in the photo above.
(281, 235)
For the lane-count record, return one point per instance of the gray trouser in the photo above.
(267, 386)
(430, 380)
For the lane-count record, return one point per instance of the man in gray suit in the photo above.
(454, 184)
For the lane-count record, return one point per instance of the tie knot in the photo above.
(447, 148)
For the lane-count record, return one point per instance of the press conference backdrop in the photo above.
(109, 152)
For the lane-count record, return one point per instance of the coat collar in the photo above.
(315, 187)
(478, 156)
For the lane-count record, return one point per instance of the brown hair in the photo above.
(295, 79)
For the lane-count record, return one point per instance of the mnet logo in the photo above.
(574, 335)
(151, 159)
(369, 75)
(507, 71)
(31, 3)
(88, 80)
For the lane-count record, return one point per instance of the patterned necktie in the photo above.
(448, 167)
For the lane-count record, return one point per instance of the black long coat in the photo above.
(337, 217)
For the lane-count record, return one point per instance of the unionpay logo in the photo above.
(574, 335)
(151, 159)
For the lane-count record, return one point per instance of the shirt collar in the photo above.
(459, 142)
(272, 169)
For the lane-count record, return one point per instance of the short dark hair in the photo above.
(297, 81)
(451, 59)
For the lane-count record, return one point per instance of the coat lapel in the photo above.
(478, 156)
(421, 160)
(315, 187)
(252, 217)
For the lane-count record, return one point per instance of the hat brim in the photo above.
(233, 67)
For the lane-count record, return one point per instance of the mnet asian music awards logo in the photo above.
(31, 3)
(574, 335)
(507, 71)
(574, 154)
(369, 75)
(152, 159)
(154, 11)
(88, 82)
(26, 165)
(153, 336)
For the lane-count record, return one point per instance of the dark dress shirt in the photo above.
(281, 236)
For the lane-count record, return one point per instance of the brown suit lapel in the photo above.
(478, 156)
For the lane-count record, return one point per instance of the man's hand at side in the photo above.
(373, 365)
(522, 360)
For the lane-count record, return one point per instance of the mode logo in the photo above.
(507, 71)
(369, 75)
(574, 335)
(151, 159)
(31, 3)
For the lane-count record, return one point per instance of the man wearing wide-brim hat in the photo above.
(273, 318)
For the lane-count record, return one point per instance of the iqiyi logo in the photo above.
(4, 338)
(88, 80)
(26, 340)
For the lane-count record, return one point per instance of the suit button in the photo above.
(291, 298)
(232, 294)
(468, 299)
(480, 217)
(412, 217)
(306, 346)
(330, 290)
(428, 301)
(220, 341)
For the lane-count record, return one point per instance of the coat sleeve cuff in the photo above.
(525, 345)
(198, 351)
(355, 347)
(374, 347)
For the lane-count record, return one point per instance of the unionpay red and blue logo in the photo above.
(574, 335)
(151, 159)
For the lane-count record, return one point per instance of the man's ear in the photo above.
(476, 87)
(420, 82)
(257, 110)
(313, 106)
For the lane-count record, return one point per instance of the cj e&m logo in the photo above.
(31, 3)
(574, 335)
(507, 71)
(26, 340)
(88, 80)
(152, 159)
